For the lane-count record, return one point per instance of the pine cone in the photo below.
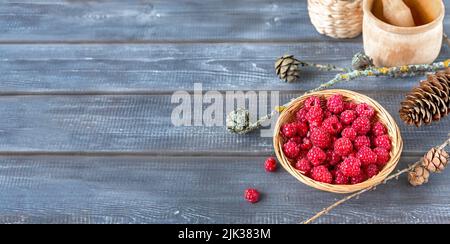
(436, 160)
(418, 176)
(287, 68)
(429, 102)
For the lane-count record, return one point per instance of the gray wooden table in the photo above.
(85, 106)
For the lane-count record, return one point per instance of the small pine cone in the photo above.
(287, 68)
(436, 160)
(429, 102)
(361, 61)
(418, 176)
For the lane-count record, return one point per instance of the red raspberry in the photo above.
(362, 141)
(302, 129)
(303, 165)
(316, 156)
(365, 110)
(270, 165)
(333, 158)
(383, 142)
(350, 106)
(348, 116)
(306, 144)
(289, 130)
(349, 133)
(328, 114)
(312, 101)
(336, 104)
(301, 115)
(340, 178)
(362, 125)
(379, 129)
(320, 138)
(297, 140)
(252, 195)
(351, 167)
(315, 116)
(383, 156)
(367, 156)
(322, 174)
(343, 146)
(291, 149)
(371, 170)
(332, 125)
(360, 178)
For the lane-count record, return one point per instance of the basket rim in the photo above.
(382, 113)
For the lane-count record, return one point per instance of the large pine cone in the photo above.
(429, 102)
(287, 68)
(436, 160)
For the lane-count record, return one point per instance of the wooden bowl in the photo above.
(390, 45)
(288, 115)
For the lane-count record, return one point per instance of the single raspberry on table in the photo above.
(362, 141)
(303, 165)
(340, 178)
(321, 174)
(383, 141)
(362, 125)
(350, 167)
(333, 158)
(336, 104)
(291, 149)
(349, 133)
(306, 144)
(301, 115)
(379, 129)
(332, 125)
(312, 101)
(270, 164)
(316, 156)
(315, 116)
(252, 195)
(360, 178)
(367, 156)
(371, 170)
(343, 146)
(365, 110)
(320, 138)
(348, 116)
(383, 156)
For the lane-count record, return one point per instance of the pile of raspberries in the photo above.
(336, 142)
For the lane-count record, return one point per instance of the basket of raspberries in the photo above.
(337, 141)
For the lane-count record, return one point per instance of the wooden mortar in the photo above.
(390, 45)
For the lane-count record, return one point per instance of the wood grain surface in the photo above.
(85, 105)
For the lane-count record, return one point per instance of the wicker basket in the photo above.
(337, 18)
(288, 115)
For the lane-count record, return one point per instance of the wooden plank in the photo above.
(162, 68)
(154, 21)
(193, 190)
(142, 124)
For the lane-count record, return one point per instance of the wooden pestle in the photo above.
(397, 13)
(424, 11)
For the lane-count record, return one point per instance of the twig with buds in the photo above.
(238, 121)
(357, 194)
